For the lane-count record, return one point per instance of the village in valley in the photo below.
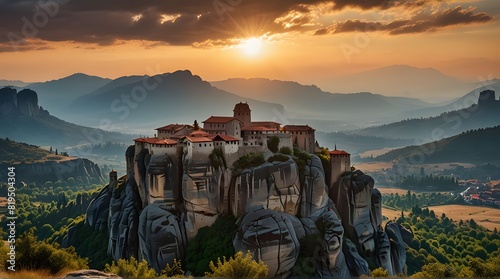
(479, 193)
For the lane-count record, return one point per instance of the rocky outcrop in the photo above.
(90, 274)
(27, 102)
(203, 192)
(314, 192)
(161, 236)
(355, 203)
(274, 186)
(123, 222)
(13, 103)
(98, 210)
(8, 102)
(272, 237)
(53, 171)
(154, 211)
(333, 261)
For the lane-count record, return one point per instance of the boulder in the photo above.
(333, 262)
(90, 274)
(272, 237)
(398, 249)
(161, 236)
(357, 265)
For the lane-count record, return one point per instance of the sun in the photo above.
(251, 46)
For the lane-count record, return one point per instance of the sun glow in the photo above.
(252, 46)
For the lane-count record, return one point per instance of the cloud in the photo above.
(419, 23)
(193, 22)
(381, 4)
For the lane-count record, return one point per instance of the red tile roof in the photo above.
(297, 128)
(225, 138)
(173, 127)
(267, 124)
(220, 119)
(199, 133)
(257, 128)
(338, 152)
(157, 141)
(198, 139)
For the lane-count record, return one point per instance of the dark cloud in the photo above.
(104, 22)
(433, 22)
(185, 22)
(381, 4)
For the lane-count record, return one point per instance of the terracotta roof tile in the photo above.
(220, 119)
(225, 138)
(198, 139)
(173, 127)
(257, 128)
(297, 128)
(157, 141)
(338, 152)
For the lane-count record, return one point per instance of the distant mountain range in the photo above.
(138, 104)
(403, 80)
(55, 95)
(484, 114)
(309, 103)
(357, 144)
(460, 103)
(477, 147)
(15, 83)
(22, 119)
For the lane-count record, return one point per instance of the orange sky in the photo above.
(434, 35)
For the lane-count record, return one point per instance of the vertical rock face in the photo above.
(395, 233)
(53, 171)
(333, 263)
(161, 237)
(154, 212)
(314, 192)
(354, 207)
(8, 101)
(355, 263)
(27, 101)
(162, 182)
(98, 210)
(203, 192)
(274, 186)
(272, 237)
(124, 208)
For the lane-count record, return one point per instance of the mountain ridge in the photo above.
(468, 147)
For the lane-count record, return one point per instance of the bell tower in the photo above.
(340, 162)
(243, 113)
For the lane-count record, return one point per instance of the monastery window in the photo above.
(200, 144)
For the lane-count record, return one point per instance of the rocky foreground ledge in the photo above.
(90, 274)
